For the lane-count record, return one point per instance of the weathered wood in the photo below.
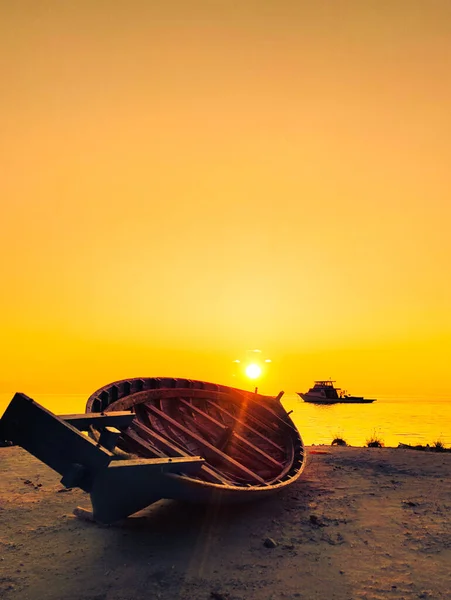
(211, 434)
(253, 399)
(113, 419)
(174, 450)
(239, 437)
(207, 446)
(84, 421)
(216, 398)
(258, 448)
(130, 485)
(175, 392)
(227, 444)
(245, 425)
(50, 439)
(259, 415)
(144, 445)
(262, 420)
(108, 437)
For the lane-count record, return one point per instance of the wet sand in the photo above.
(360, 523)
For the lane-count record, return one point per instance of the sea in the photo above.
(391, 420)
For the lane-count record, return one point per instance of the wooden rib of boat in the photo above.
(250, 445)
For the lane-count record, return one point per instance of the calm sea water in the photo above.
(393, 420)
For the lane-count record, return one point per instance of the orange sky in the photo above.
(184, 181)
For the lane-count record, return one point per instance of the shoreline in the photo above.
(393, 422)
(360, 523)
(401, 446)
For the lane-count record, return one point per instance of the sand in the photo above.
(360, 523)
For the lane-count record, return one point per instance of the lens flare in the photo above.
(253, 371)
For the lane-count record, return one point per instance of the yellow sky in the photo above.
(184, 181)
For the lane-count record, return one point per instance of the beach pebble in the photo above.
(409, 503)
(83, 514)
(316, 521)
(270, 543)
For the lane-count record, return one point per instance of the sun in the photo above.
(253, 371)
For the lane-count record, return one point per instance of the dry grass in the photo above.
(338, 441)
(374, 442)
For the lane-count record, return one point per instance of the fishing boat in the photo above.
(250, 445)
(177, 439)
(324, 392)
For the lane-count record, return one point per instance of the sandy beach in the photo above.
(360, 523)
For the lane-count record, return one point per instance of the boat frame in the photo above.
(164, 436)
(167, 468)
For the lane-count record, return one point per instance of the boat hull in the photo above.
(250, 445)
(345, 400)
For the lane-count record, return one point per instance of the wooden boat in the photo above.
(182, 439)
(249, 444)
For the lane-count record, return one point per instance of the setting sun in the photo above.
(253, 371)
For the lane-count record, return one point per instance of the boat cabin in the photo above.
(326, 389)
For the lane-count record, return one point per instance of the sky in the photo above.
(185, 181)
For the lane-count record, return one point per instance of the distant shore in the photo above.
(360, 523)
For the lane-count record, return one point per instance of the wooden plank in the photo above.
(260, 405)
(214, 397)
(50, 439)
(236, 435)
(142, 415)
(131, 485)
(167, 393)
(114, 419)
(144, 445)
(206, 432)
(176, 451)
(246, 425)
(163, 444)
(206, 445)
(108, 437)
(259, 415)
(201, 412)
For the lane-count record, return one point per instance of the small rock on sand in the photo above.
(83, 514)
